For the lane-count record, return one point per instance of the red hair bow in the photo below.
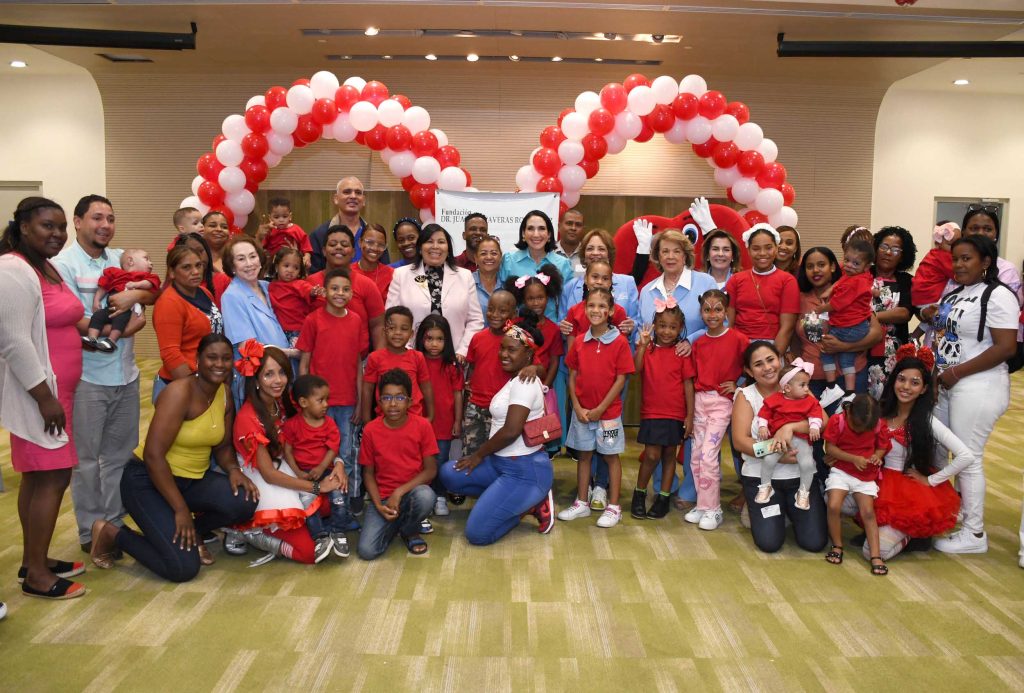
(910, 351)
(252, 356)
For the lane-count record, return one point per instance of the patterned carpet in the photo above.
(649, 605)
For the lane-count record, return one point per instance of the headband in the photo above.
(924, 354)
(762, 226)
(668, 304)
(251, 352)
(800, 366)
(518, 333)
(945, 232)
(542, 278)
(405, 220)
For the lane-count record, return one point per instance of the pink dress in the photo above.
(62, 311)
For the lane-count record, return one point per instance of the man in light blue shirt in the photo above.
(106, 416)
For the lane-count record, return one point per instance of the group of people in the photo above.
(309, 387)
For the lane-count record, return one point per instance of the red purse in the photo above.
(547, 428)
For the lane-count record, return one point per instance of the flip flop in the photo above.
(416, 546)
(62, 589)
(63, 569)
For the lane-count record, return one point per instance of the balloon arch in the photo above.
(282, 119)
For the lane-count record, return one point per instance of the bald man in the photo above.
(349, 201)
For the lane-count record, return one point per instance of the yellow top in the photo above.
(189, 454)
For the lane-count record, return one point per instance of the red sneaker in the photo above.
(545, 513)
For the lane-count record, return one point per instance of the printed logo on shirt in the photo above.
(948, 348)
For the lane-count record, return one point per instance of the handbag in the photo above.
(547, 428)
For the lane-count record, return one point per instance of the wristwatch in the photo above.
(316, 488)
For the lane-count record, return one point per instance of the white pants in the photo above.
(971, 410)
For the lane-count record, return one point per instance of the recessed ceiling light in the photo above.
(598, 60)
(430, 56)
(514, 58)
(386, 57)
(472, 57)
(19, 63)
(371, 31)
(556, 59)
(957, 82)
(687, 48)
(321, 40)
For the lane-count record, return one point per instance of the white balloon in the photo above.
(572, 177)
(426, 170)
(272, 159)
(241, 220)
(280, 144)
(363, 116)
(698, 130)
(574, 126)
(748, 137)
(665, 89)
(257, 100)
(426, 216)
(416, 119)
(570, 152)
(452, 178)
(386, 154)
(234, 127)
(570, 198)
(323, 85)
(241, 203)
(401, 164)
(527, 178)
(442, 139)
(768, 201)
(641, 100)
(357, 82)
(191, 201)
(196, 182)
(677, 134)
(230, 153)
(784, 217)
(390, 113)
(231, 179)
(693, 84)
(587, 102)
(616, 142)
(726, 177)
(724, 128)
(300, 99)
(628, 125)
(745, 190)
(768, 150)
(283, 121)
(343, 129)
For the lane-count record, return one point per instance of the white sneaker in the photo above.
(441, 507)
(803, 499)
(962, 542)
(764, 494)
(598, 498)
(575, 511)
(830, 396)
(712, 520)
(694, 516)
(610, 517)
(3, 607)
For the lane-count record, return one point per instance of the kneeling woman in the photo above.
(510, 477)
(169, 479)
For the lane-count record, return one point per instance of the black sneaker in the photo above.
(660, 507)
(638, 508)
(456, 498)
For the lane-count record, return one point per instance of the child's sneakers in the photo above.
(598, 498)
(322, 548)
(638, 508)
(803, 499)
(694, 516)
(441, 507)
(764, 494)
(575, 511)
(340, 545)
(712, 520)
(659, 508)
(545, 513)
(610, 517)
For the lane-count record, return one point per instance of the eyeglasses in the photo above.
(890, 249)
(979, 207)
(388, 399)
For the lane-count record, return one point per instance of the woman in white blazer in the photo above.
(433, 284)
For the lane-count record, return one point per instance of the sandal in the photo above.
(878, 569)
(205, 557)
(416, 546)
(101, 559)
(835, 556)
(63, 569)
(62, 589)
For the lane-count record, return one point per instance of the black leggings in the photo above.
(101, 317)
(769, 533)
(210, 498)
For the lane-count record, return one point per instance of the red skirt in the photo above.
(914, 508)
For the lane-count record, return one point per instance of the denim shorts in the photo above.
(606, 437)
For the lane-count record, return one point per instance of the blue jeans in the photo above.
(444, 449)
(340, 520)
(378, 533)
(506, 488)
(342, 415)
(845, 359)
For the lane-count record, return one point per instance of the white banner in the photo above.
(504, 212)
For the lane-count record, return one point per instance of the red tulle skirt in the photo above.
(914, 508)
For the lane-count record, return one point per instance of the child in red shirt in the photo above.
(936, 268)
(598, 363)
(135, 272)
(849, 310)
(311, 444)
(575, 323)
(374, 243)
(397, 354)
(292, 297)
(856, 440)
(399, 458)
(533, 294)
(486, 376)
(718, 359)
(666, 409)
(284, 234)
(793, 404)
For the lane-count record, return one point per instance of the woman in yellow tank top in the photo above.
(169, 477)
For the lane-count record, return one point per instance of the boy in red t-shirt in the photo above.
(849, 310)
(397, 354)
(486, 376)
(399, 458)
(283, 233)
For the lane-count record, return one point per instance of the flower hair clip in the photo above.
(251, 352)
(542, 278)
(668, 304)
(945, 233)
(923, 354)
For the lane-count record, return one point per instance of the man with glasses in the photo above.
(349, 201)
(474, 231)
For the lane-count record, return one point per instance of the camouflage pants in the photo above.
(476, 427)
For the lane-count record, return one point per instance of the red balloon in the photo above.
(635, 80)
(210, 194)
(589, 167)
(424, 143)
(728, 194)
(707, 149)
(661, 119)
(408, 182)
(725, 154)
(773, 175)
(750, 163)
(255, 170)
(551, 136)
(217, 140)
(360, 138)
(739, 111)
(252, 186)
(298, 142)
(376, 139)
(449, 156)
(711, 104)
(399, 138)
(276, 97)
(562, 209)
(594, 146)
(402, 99)
(549, 184)
(258, 119)
(546, 161)
(788, 193)
(225, 212)
(375, 92)
(303, 81)
(345, 97)
(646, 133)
(208, 166)
(422, 195)
(755, 217)
(685, 106)
(565, 112)
(255, 146)
(324, 111)
(613, 97)
(308, 130)
(601, 121)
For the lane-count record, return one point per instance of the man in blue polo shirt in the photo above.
(106, 417)
(349, 201)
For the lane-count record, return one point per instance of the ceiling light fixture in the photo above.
(371, 31)
(961, 82)
(430, 56)
(386, 57)
(598, 60)
(556, 59)
(514, 58)
(19, 63)
(472, 57)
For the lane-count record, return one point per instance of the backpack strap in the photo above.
(989, 288)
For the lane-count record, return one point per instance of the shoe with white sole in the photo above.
(694, 516)
(575, 511)
(764, 494)
(962, 542)
(441, 507)
(610, 517)
(598, 498)
(830, 396)
(712, 520)
(321, 549)
(803, 499)
(339, 544)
